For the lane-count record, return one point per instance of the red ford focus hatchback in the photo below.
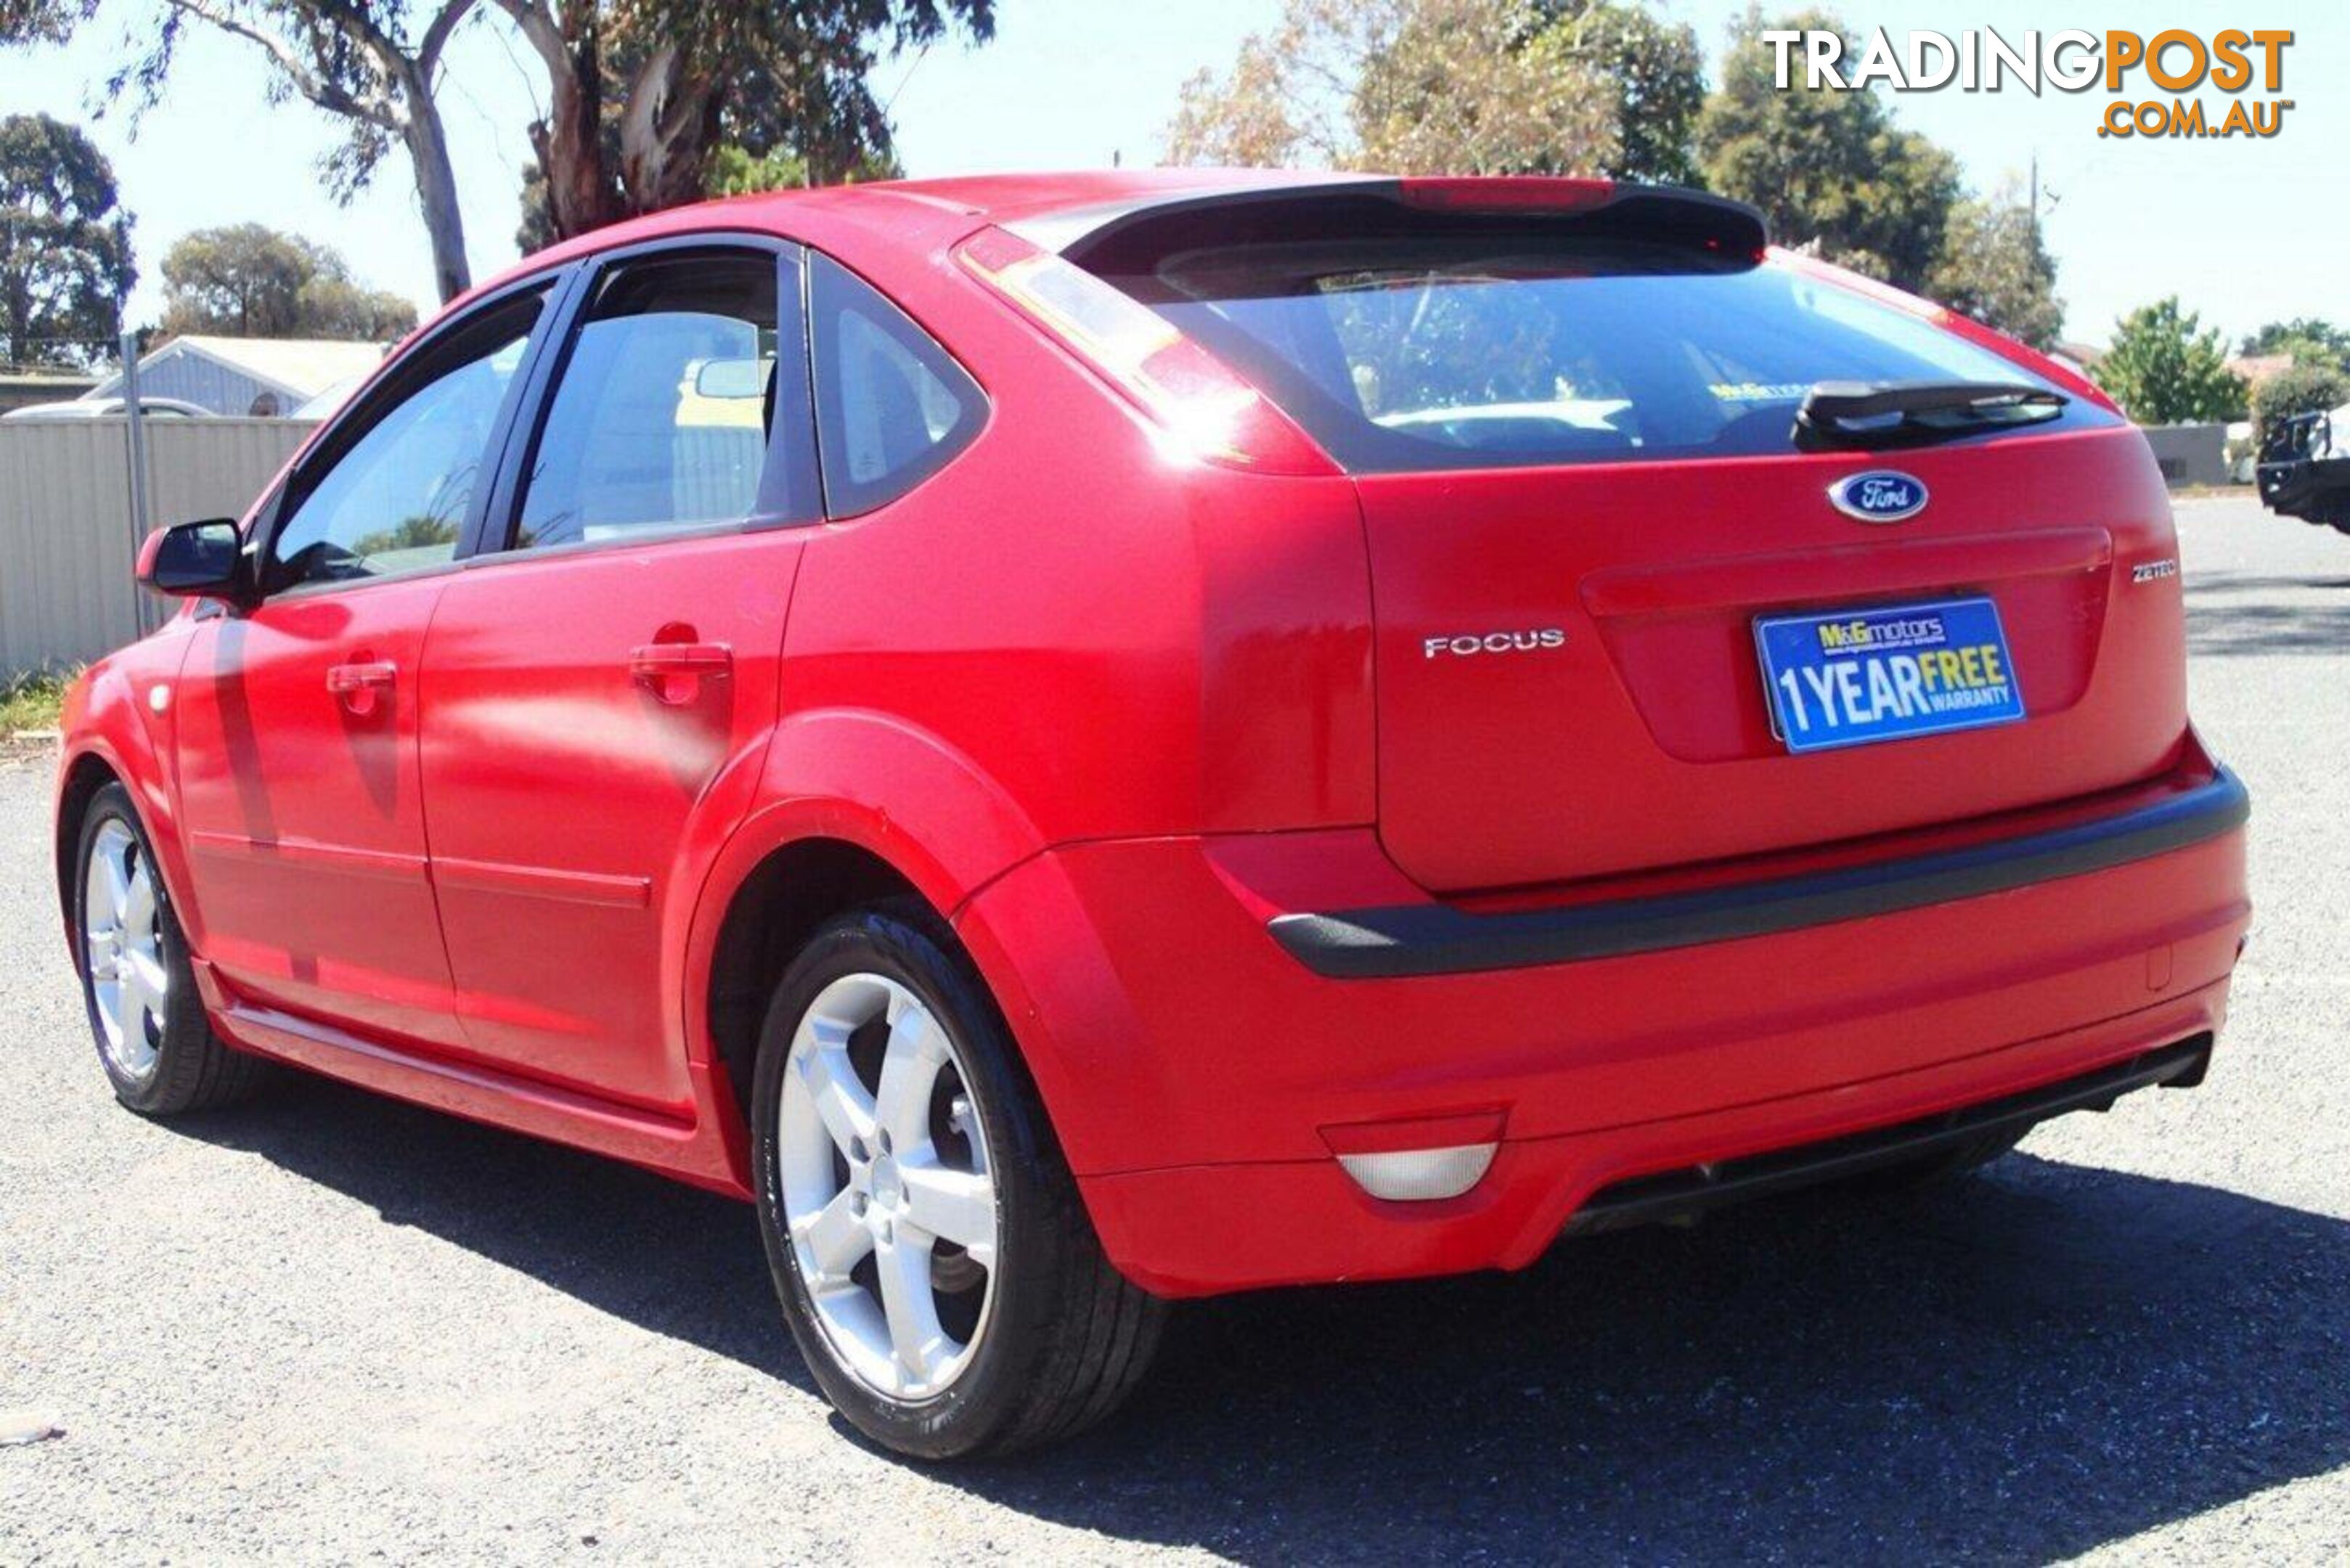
(1088, 739)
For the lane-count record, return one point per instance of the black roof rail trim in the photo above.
(1407, 940)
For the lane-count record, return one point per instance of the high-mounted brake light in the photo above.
(1505, 193)
(1654, 212)
(1207, 409)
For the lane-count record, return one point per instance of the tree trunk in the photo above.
(436, 192)
(667, 126)
(15, 297)
(581, 193)
(16, 319)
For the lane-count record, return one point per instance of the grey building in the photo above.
(2189, 454)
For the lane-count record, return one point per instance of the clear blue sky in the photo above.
(2245, 231)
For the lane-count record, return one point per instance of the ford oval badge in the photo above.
(1880, 496)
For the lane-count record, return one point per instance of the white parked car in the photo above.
(327, 401)
(111, 408)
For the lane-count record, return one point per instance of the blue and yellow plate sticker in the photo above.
(1886, 673)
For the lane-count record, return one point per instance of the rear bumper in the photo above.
(1197, 1068)
(1204, 1230)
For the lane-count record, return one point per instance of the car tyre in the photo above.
(936, 1330)
(138, 987)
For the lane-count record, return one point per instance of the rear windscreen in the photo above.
(1492, 349)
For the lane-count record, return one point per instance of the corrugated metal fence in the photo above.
(67, 536)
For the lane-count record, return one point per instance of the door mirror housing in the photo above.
(195, 560)
(734, 380)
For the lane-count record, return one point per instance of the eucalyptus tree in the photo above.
(65, 245)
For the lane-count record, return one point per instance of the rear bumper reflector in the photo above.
(1419, 1175)
(1408, 940)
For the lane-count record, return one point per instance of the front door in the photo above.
(297, 722)
(600, 692)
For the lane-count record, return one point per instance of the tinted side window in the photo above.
(668, 398)
(892, 406)
(396, 494)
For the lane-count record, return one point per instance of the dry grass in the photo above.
(30, 701)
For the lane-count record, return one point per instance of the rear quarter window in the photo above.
(892, 406)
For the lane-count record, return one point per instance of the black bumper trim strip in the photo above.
(1410, 939)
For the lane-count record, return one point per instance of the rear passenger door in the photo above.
(597, 693)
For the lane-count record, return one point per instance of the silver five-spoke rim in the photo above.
(122, 945)
(887, 1188)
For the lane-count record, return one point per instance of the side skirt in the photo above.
(688, 1149)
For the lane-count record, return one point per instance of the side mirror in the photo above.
(732, 379)
(194, 560)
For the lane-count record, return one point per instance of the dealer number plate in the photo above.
(1886, 673)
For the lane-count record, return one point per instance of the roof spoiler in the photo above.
(1130, 236)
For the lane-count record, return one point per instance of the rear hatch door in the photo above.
(1643, 735)
(1571, 415)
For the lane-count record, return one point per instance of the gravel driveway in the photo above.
(329, 1327)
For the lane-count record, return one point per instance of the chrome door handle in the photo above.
(362, 685)
(374, 674)
(674, 671)
(681, 658)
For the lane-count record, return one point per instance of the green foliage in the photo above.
(734, 170)
(2309, 341)
(1249, 117)
(65, 245)
(2164, 368)
(1833, 172)
(408, 534)
(737, 171)
(1656, 71)
(1453, 86)
(31, 702)
(1995, 268)
(1459, 87)
(639, 94)
(1610, 87)
(1434, 345)
(373, 65)
(250, 281)
(646, 92)
(1827, 167)
(536, 228)
(2301, 389)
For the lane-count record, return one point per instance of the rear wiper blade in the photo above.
(1911, 414)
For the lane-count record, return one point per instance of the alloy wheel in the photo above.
(122, 950)
(888, 1195)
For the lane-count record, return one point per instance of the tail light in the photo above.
(1207, 411)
